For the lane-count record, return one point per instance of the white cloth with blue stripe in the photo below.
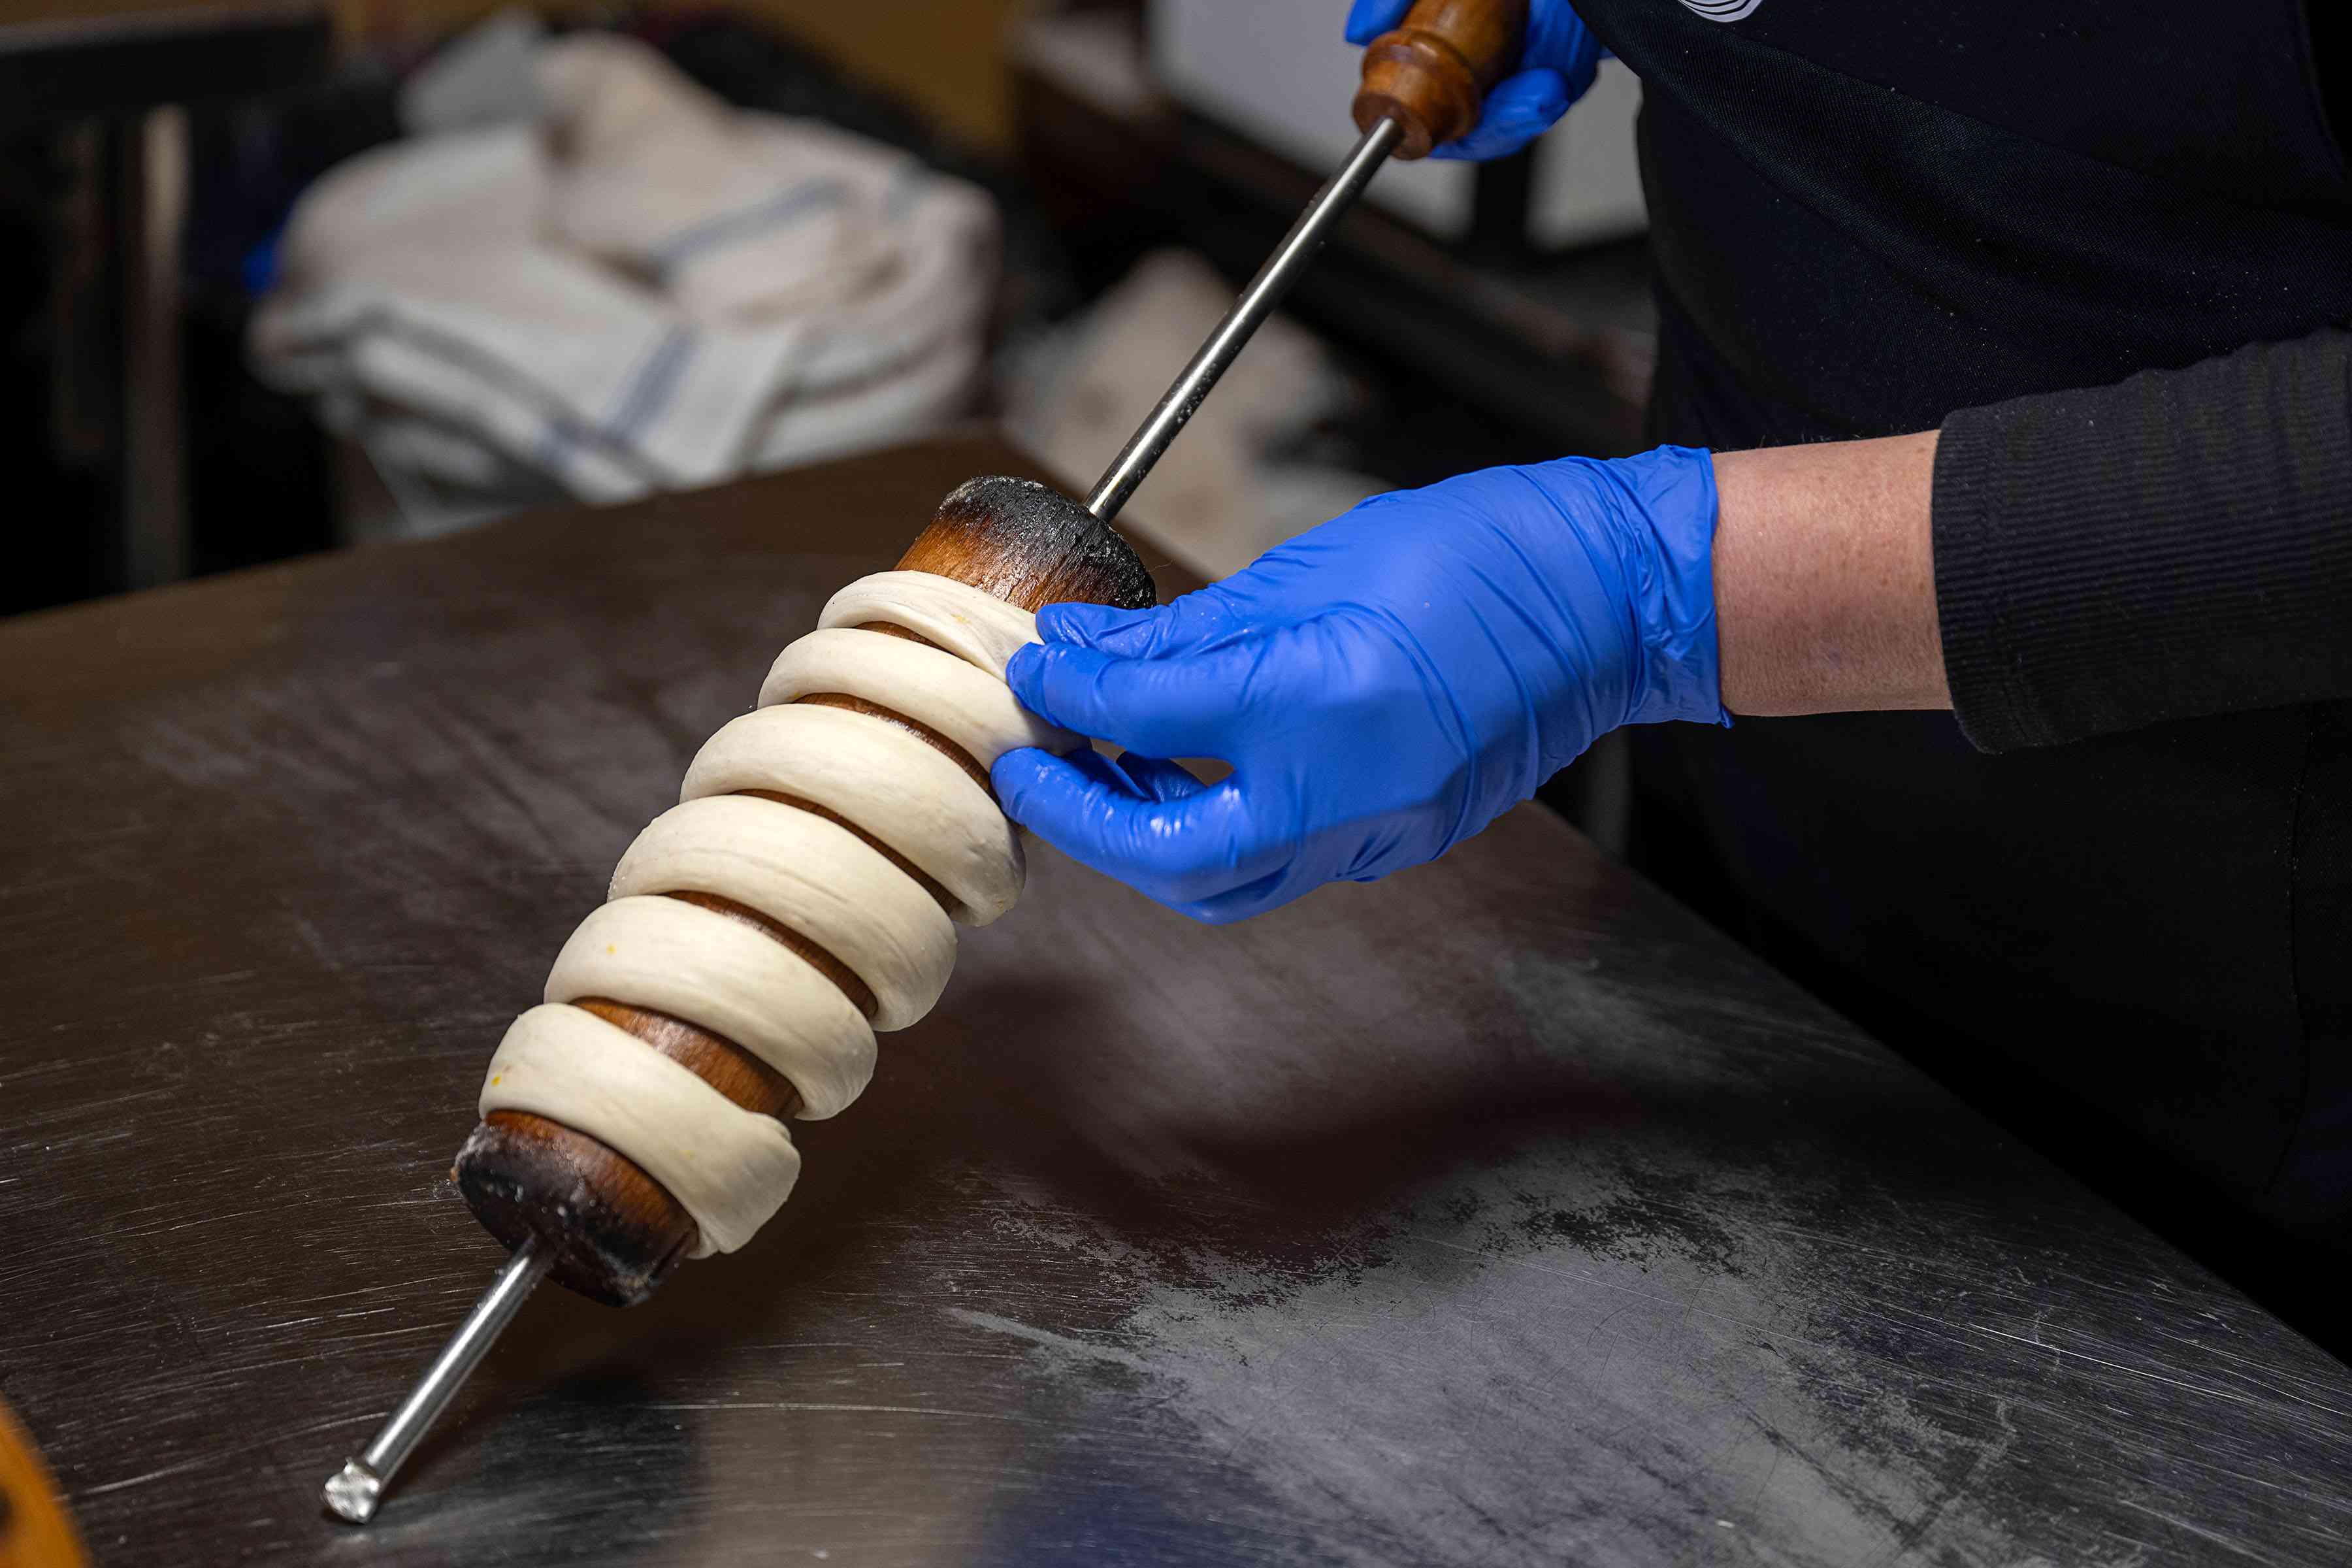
(640, 290)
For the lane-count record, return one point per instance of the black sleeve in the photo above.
(2176, 545)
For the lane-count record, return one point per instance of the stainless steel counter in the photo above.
(1499, 1213)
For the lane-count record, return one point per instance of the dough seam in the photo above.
(728, 1167)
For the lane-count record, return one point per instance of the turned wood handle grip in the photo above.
(615, 1232)
(1430, 75)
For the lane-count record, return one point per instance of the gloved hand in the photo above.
(1384, 686)
(1556, 69)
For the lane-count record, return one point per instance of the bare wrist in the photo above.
(1824, 578)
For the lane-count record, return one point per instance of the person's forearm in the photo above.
(1824, 578)
(2170, 547)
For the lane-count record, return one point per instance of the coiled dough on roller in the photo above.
(722, 976)
(894, 786)
(728, 1167)
(971, 706)
(978, 627)
(812, 876)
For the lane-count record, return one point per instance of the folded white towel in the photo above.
(644, 290)
(657, 175)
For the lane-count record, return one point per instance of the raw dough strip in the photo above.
(810, 875)
(978, 627)
(873, 773)
(729, 1167)
(720, 974)
(969, 706)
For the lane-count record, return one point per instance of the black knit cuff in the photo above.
(2175, 545)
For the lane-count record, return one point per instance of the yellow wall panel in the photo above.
(944, 56)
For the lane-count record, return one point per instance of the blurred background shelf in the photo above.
(61, 60)
(154, 156)
(94, 194)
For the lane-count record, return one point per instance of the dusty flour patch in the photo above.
(1501, 1390)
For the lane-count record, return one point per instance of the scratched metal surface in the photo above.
(1496, 1214)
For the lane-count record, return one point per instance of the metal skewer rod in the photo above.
(1232, 334)
(350, 1493)
(353, 1493)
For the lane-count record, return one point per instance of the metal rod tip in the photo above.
(350, 1493)
(353, 1491)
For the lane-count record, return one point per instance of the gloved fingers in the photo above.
(1252, 898)
(1156, 778)
(1149, 778)
(1368, 19)
(1178, 852)
(1184, 706)
(1558, 38)
(1098, 768)
(1519, 109)
(1184, 622)
(1299, 868)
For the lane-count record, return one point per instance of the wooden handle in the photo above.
(1431, 74)
(35, 1531)
(616, 1232)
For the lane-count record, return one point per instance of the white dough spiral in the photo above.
(731, 1168)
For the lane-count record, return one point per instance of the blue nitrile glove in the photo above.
(1556, 69)
(1384, 686)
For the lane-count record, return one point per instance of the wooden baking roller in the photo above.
(614, 1233)
(572, 1208)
